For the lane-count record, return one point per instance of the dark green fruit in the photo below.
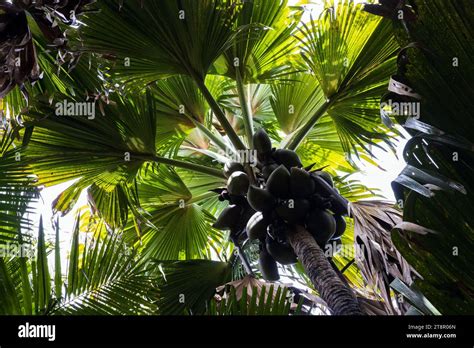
(321, 186)
(231, 167)
(339, 205)
(238, 183)
(268, 169)
(262, 142)
(260, 199)
(278, 183)
(340, 226)
(229, 218)
(326, 176)
(321, 225)
(268, 266)
(282, 253)
(301, 184)
(247, 213)
(293, 210)
(287, 157)
(257, 226)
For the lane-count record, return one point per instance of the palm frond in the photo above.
(174, 222)
(161, 39)
(95, 151)
(351, 54)
(181, 231)
(266, 49)
(104, 277)
(418, 301)
(429, 241)
(296, 100)
(433, 71)
(379, 261)
(9, 301)
(186, 287)
(250, 296)
(435, 189)
(17, 191)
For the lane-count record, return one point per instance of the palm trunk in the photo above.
(339, 298)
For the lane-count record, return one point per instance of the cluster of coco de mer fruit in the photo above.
(286, 194)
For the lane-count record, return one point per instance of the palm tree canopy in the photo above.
(169, 93)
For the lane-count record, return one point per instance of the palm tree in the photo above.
(176, 98)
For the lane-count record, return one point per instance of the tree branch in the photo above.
(246, 112)
(190, 166)
(234, 138)
(297, 138)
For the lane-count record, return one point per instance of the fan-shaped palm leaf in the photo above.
(351, 54)
(186, 287)
(250, 296)
(266, 49)
(105, 278)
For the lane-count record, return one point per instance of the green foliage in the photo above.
(17, 186)
(294, 101)
(443, 255)
(437, 232)
(264, 49)
(161, 38)
(260, 302)
(171, 107)
(351, 54)
(186, 287)
(420, 303)
(439, 71)
(93, 149)
(103, 277)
